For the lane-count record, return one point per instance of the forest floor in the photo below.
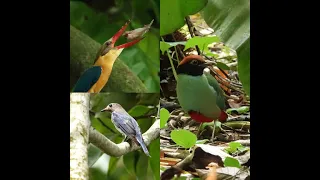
(228, 156)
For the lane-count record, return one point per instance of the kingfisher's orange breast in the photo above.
(106, 68)
(102, 81)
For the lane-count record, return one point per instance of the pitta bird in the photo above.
(96, 77)
(126, 125)
(198, 92)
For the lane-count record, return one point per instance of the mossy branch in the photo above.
(83, 51)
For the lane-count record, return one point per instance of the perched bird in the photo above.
(198, 92)
(126, 125)
(96, 77)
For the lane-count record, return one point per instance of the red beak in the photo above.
(119, 33)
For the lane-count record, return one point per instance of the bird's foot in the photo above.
(125, 139)
(213, 131)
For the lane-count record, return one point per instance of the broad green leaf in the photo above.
(223, 66)
(164, 116)
(240, 110)
(233, 147)
(164, 46)
(138, 110)
(202, 42)
(154, 149)
(142, 167)
(244, 65)
(130, 161)
(183, 138)
(112, 164)
(231, 162)
(177, 43)
(172, 13)
(242, 149)
(231, 21)
(144, 124)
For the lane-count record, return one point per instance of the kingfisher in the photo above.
(198, 92)
(96, 77)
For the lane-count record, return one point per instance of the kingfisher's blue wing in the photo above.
(125, 123)
(87, 79)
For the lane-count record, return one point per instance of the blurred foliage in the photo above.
(134, 164)
(100, 19)
(231, 21)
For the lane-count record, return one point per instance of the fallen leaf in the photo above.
(233, 103)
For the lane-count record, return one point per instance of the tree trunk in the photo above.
(79, 135)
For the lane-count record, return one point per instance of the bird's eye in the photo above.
(108, 43)
(110, 105)
(194, 62)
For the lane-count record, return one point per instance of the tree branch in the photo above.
(79, 135)
(112, 149)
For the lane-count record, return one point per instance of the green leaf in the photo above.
(242, 149)
(231, 21)
(154, 149)
(142, 167)
(130, 161)
(244, 65)
(180, 178)
(177, 43)
(112, 164)
(138, 110)
(172, 13)
(231, 162)
(218, 125)
(164, 46)
(164, 116)
(233, 147)
(202, 141)
(183, 138)
(223, 66)
(240, 110)
(202, 42)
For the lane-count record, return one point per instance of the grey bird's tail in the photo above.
(142, 144)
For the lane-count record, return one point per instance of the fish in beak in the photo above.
(120, 33)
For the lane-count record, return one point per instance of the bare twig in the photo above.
(190, 27)
(179, 50)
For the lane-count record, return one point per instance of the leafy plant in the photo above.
(235, 147)
(183, 138)
(164, 116)
(231, 21)
(231, 162)
(172, 13)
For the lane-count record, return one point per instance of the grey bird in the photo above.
(126, 125)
